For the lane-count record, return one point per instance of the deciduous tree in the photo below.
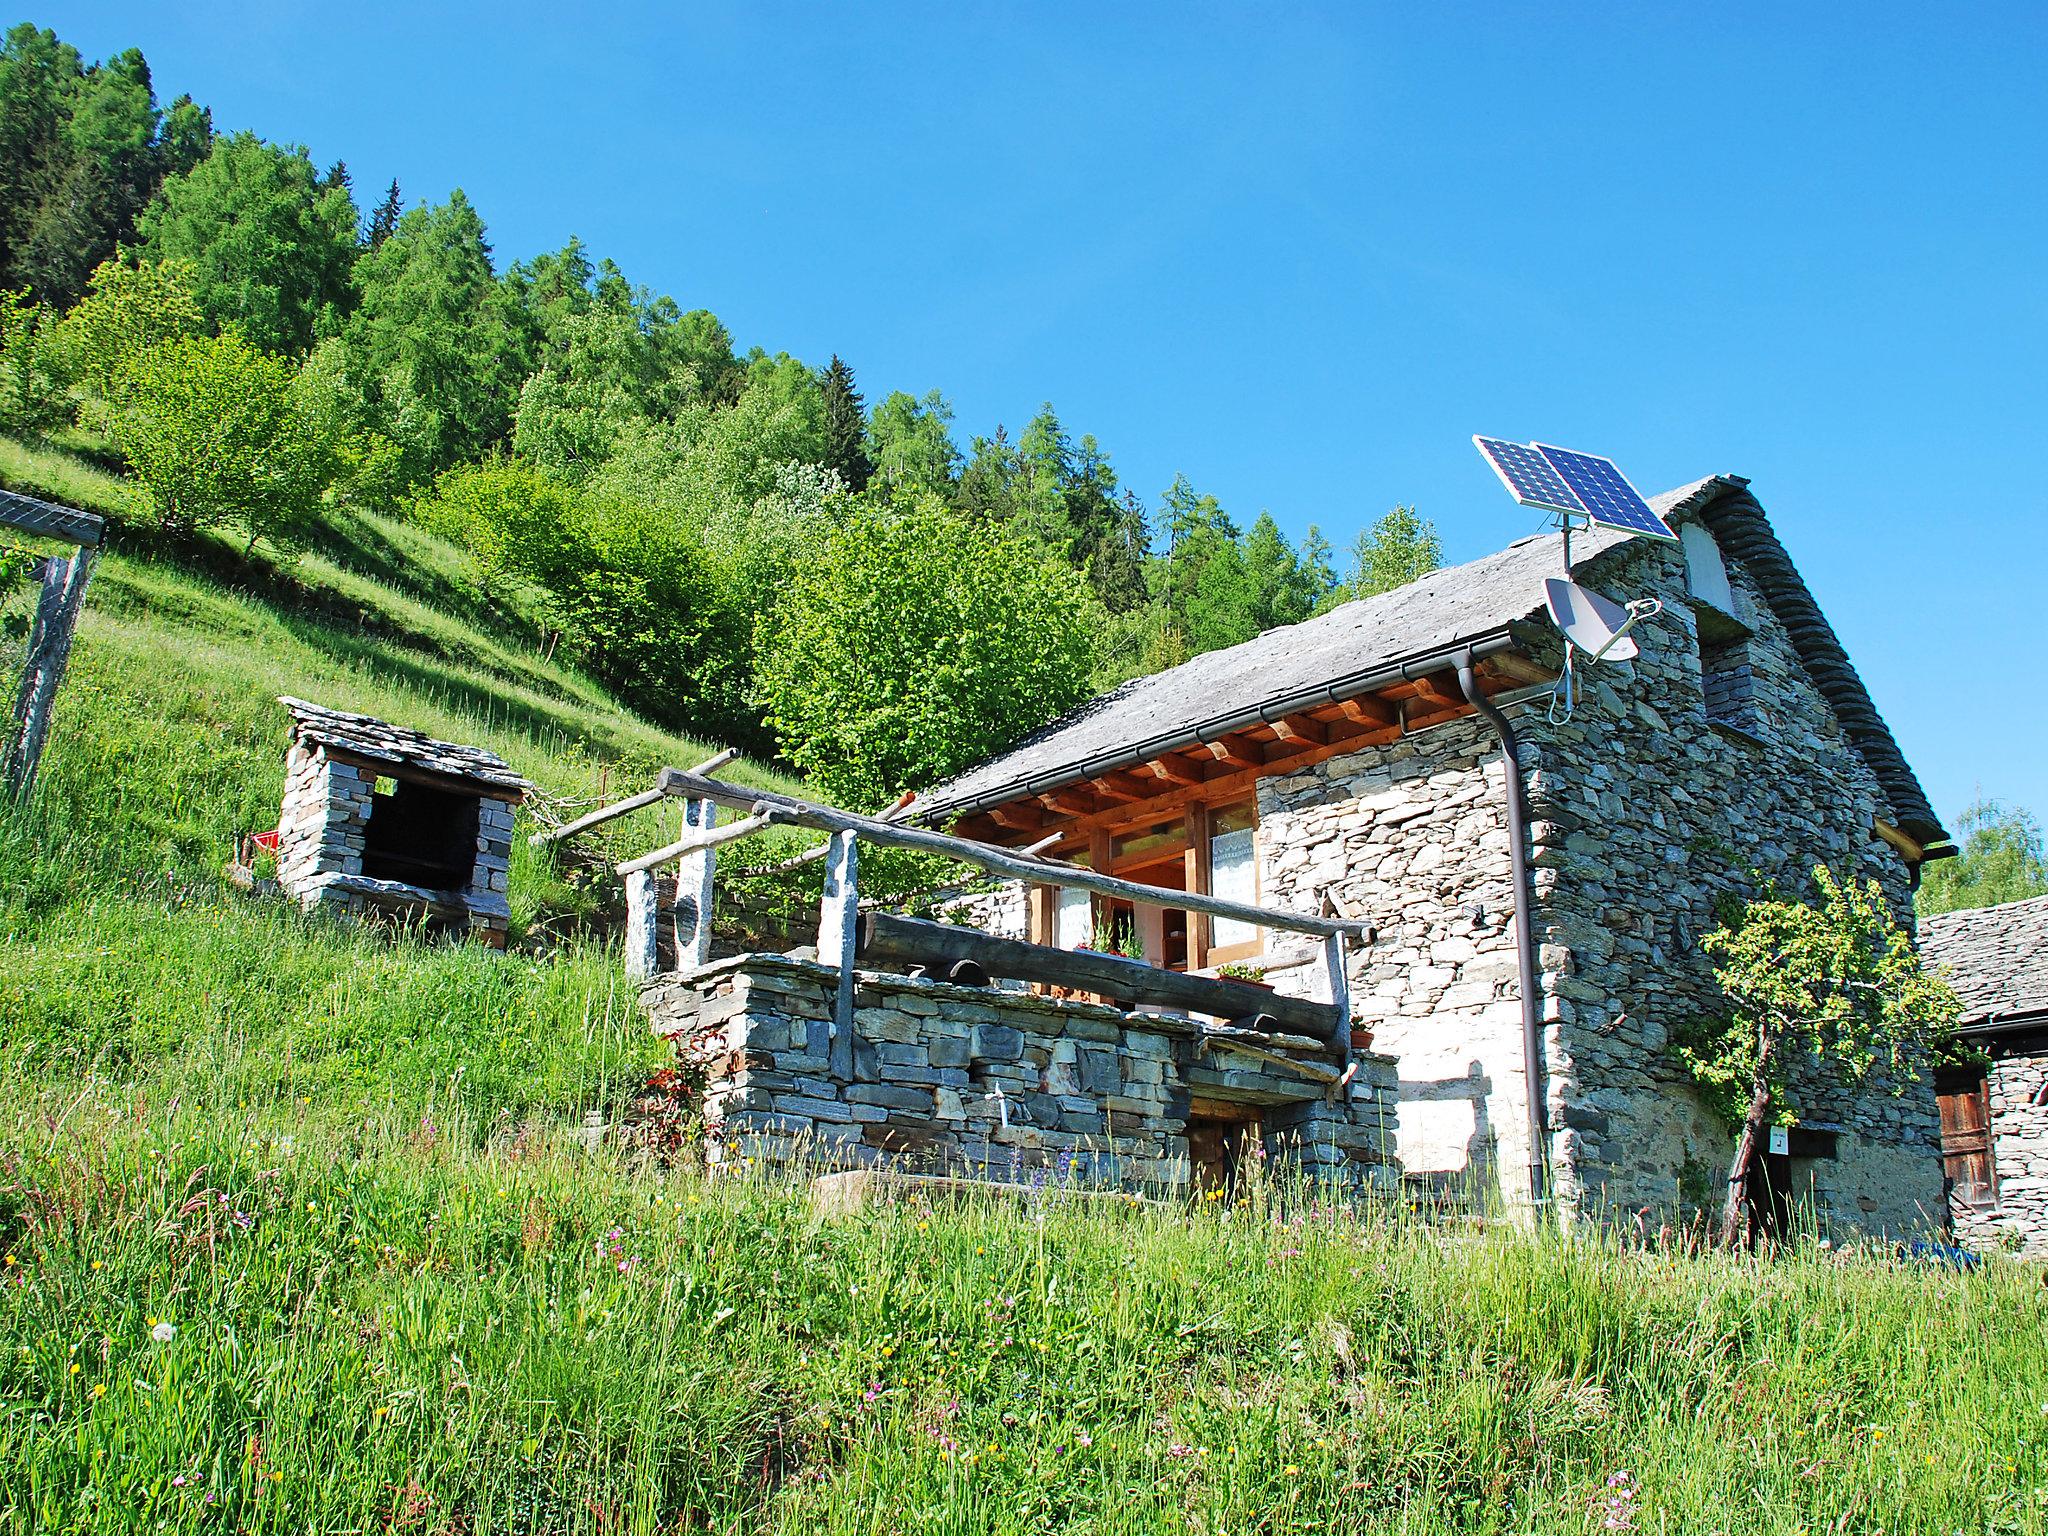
(2003, 859)
(913, 642)
(270, 243)
(1827, 994)
(210, 428)
(1399, 548)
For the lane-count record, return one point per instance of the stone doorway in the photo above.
(1222, 1138)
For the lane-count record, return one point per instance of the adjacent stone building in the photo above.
(1994, 1115)
(377, 817)
(1376, 760)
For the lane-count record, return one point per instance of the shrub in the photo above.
(32, 392)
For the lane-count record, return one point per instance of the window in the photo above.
(1234, 875)
(1214, 851)
(1966, 1153)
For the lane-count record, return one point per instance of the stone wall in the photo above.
(1644, 813)
(992, 1083)
(322, 826)
(2019, 1151)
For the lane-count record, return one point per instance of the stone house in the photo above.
(1355, 762)
(377, 817)
(1994, 1115)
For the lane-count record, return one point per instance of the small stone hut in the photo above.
(1994, 1116)
(377, 817)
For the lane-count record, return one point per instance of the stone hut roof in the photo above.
(1362, 644)
(1996, 959)
(365, 736)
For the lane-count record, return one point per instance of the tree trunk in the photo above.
(1745, 1146)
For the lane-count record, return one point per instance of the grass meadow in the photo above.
(299, 1230)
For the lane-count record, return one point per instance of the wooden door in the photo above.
(1964, 1095)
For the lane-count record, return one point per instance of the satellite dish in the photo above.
(1596, 625)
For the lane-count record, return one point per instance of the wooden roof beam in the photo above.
(1120, 784)
(1072, 800)
(1237, 751)
(1301, 731)
(1370, 711)
(1018, 816)
(1173, 769)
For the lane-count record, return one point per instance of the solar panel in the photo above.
(1604, 492)
(1529, 477)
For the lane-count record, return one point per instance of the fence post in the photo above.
(643, 927)
(49, 649)
(838, 921)
(694, 875)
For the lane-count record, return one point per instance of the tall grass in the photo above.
(415, 1318)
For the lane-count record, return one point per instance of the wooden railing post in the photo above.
(838, 938)
(695, 872)
(1334, 983)
(643, 924)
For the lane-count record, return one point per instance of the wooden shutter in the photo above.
(1966, 1153)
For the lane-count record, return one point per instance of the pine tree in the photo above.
(846, 426)
(337, 176)
(385, 220)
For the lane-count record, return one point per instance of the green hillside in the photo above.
(298, 1230)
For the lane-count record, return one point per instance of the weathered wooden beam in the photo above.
(1002, 861)
(913, 940)
(1118, 784)
(1516, 669)
(1019, 816)
(630, 803)
(1370, 711)
(1174, 769)
(1072, 800)
(764, 817)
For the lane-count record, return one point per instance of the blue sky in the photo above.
(1301, 254)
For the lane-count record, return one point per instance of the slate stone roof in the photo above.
(366, 736)
(1996, 958)
(1330, 655)
(1340, 653)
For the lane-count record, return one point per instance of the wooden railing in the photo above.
(843, 937)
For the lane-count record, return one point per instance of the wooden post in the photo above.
(1197, 879)
(49, 649)
(1334, 987)
(839, 939)
(643, 924)
(694, 874)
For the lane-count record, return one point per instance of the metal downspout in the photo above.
(1525, 930)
